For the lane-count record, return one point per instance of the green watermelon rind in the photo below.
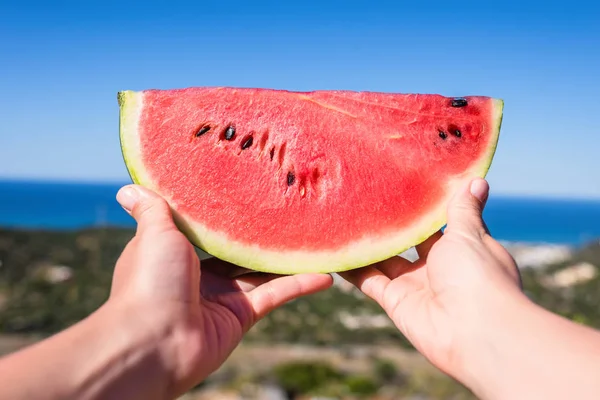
(366, 251)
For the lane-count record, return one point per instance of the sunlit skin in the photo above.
(461, 305)
(172, 320)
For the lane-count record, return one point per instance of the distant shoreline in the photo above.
(120, 183)
(512, 244)
(67, 206)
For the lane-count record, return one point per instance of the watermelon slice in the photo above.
(292, 182)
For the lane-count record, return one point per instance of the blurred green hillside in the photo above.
(50, 280)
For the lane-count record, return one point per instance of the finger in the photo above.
(223, 277)
(218, 277)
(148, 208)
(466, 208)
(223, 268)
(395, 266)
(368, 280)
(240, 278)
(424, 248)
(251, 281)
(265, 298)
(405, 276)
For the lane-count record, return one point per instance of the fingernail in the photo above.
(127, 197)
(479, 189)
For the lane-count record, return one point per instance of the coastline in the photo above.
(536, 254)
(67, 206)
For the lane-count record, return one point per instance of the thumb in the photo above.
(466, 208)
(148, 208)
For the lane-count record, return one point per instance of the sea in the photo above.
(60, 206)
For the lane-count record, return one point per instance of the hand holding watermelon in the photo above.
(295, 182)
(172, 320)
(442, 301)
(168, 323)
(204, 312)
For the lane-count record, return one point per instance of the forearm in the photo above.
(526, 352)
(101, 357)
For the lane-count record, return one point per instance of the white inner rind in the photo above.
(364, 251)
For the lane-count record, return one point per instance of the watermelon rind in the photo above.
(365, 251)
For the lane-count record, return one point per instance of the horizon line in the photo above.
(107, 182)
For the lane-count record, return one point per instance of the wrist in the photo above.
(522, 350)
(495, 329)
(111, 354)
(124, 353)
(165, 341)
(123, 358)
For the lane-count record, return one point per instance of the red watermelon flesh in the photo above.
(294, 182)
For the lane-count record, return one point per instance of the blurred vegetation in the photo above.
(50, 280)
(578, 302)
(321, 379)
(301, 378)
(30, 302)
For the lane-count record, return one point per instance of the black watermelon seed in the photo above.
(247, 143)
(230, 133)
(443, 135)
(457, 133)
(291, 178)
(203, 130)
(459, 102)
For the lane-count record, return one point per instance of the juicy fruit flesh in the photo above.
(344, 162)
(313, 172)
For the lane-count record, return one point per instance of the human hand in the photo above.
(443, 300)
(197, 311)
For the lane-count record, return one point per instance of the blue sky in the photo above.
(62, 64)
